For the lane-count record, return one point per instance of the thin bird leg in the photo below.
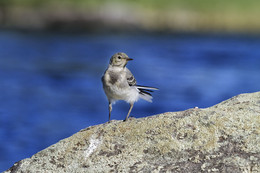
(130, 109)
(110, 110)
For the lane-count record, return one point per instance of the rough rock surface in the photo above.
(222, 138)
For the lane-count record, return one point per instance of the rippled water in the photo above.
(51, 88)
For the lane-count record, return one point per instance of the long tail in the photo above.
(145, 92)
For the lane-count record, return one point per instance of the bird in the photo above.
(120, 84)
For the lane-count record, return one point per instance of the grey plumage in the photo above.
(120, 84)
(130, 78)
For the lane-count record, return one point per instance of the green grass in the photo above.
(196, 5)
(203, 5)
(231, 14)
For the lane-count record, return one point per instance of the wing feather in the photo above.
(130, 78)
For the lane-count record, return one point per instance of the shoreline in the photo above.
(129, 18)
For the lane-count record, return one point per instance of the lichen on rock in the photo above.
(222, 138)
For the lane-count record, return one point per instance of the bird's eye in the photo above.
(119, 57)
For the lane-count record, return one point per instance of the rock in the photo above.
(222, 138)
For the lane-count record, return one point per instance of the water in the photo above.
(50, 83)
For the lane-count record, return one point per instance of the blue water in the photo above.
(50, 83)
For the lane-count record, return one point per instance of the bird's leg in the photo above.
(130, 109)
(110, 110)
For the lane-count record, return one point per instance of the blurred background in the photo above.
(53, 54)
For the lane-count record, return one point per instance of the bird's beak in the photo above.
(129, 59)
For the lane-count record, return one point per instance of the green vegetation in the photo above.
(189, 15)
(198, 5)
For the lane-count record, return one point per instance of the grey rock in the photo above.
(222, 138)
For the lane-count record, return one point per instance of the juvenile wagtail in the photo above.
(120, 84)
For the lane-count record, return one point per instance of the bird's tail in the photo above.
(145, 92)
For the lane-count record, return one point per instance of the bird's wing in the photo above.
(130, 78)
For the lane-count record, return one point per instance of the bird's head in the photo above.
(119, 59)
